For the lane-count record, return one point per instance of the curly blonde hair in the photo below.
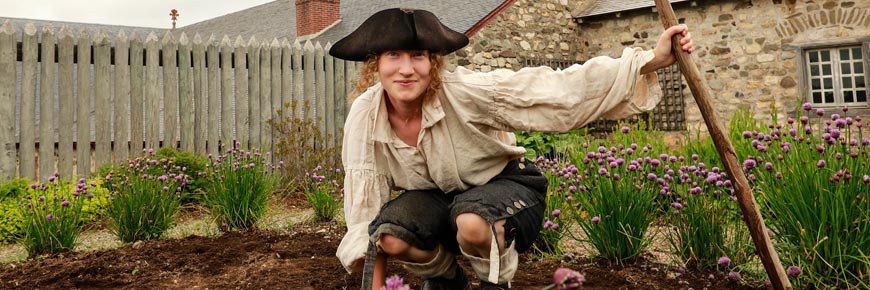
(368, 76)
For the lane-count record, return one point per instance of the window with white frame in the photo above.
(836, 76)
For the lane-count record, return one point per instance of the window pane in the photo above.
(814, 70)
(862, 96)
(856, 53)
(844, 54)
(817, 97)
(848, 97)
(846, 68)
(826, 69)
(817, 84)
(847, 82)
(829, 97)
(826, 55)
(814, 56)
(859, 68)
(859, 82)
(829, 83)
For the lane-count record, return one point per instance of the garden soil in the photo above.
(301, 257)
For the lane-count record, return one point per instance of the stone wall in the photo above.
(529, 29)
(741, 45)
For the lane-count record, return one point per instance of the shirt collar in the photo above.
(382, 131)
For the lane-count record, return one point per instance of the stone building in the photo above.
(762, 55)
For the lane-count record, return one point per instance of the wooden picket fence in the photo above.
(82, 101)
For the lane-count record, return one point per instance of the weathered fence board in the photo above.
(137, 94)
(226, 112)
(242, 107)
(254, 89)
(102, 98)
(8, 154)
(98, 99)
(200, 94)
(121, 99)
(65, 102)
(83, 104)
(27, 151)
(170, 91)
(46, 104)
(213, 112)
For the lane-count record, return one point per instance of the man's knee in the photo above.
(392, 245)
(473, 230)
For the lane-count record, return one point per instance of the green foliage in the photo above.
(324, 196)
(302, 146)
(11, 221)
(811, 178)
(52, 221)
(562, 180)
(14, 189)
(145, 197)
(615, 204)
(550, 144)
(240, 184)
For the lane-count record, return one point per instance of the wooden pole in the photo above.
(752, 215)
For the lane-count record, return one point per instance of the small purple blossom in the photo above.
(49, 217)
(595, 220)
(64, 203)
(625, 129)
(808, 106)
(395, 283)
(820, 164)
(735, 276)
(793, 271)
(567, 279)
(557, 213)
(724, 261)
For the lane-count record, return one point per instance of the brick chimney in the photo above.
(312, 16)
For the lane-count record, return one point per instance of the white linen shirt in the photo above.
(466, 135)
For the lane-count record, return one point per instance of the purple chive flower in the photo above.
(734, 276)
(625, 129)
(162, 178)
(395, 283)
(724, 261)
(820, 112)
(808, 106)
(793, 271)
(567, 279)
(820, 164)
(49, 217)
(747, 134)
(557, 213)
(749, 163)
(64, 203)
(596, 220)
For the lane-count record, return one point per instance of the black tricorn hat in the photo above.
(401, 29)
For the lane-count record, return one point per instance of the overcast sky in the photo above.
(142, 13)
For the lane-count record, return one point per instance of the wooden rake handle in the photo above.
(701, 93)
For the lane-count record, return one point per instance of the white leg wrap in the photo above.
(443, 265)
(497, 271)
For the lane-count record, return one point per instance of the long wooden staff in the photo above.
(701, 93)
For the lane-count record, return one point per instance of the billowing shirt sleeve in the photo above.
(365, 189)
(543, 99)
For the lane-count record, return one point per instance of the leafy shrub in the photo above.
(324, 197)
(11, 221)
(145, 197)
(302, 146)
(240, 184)
(14, 189)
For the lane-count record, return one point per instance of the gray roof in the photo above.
(458, 15)
(600, 7)
(76, 27)
(276, 19)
